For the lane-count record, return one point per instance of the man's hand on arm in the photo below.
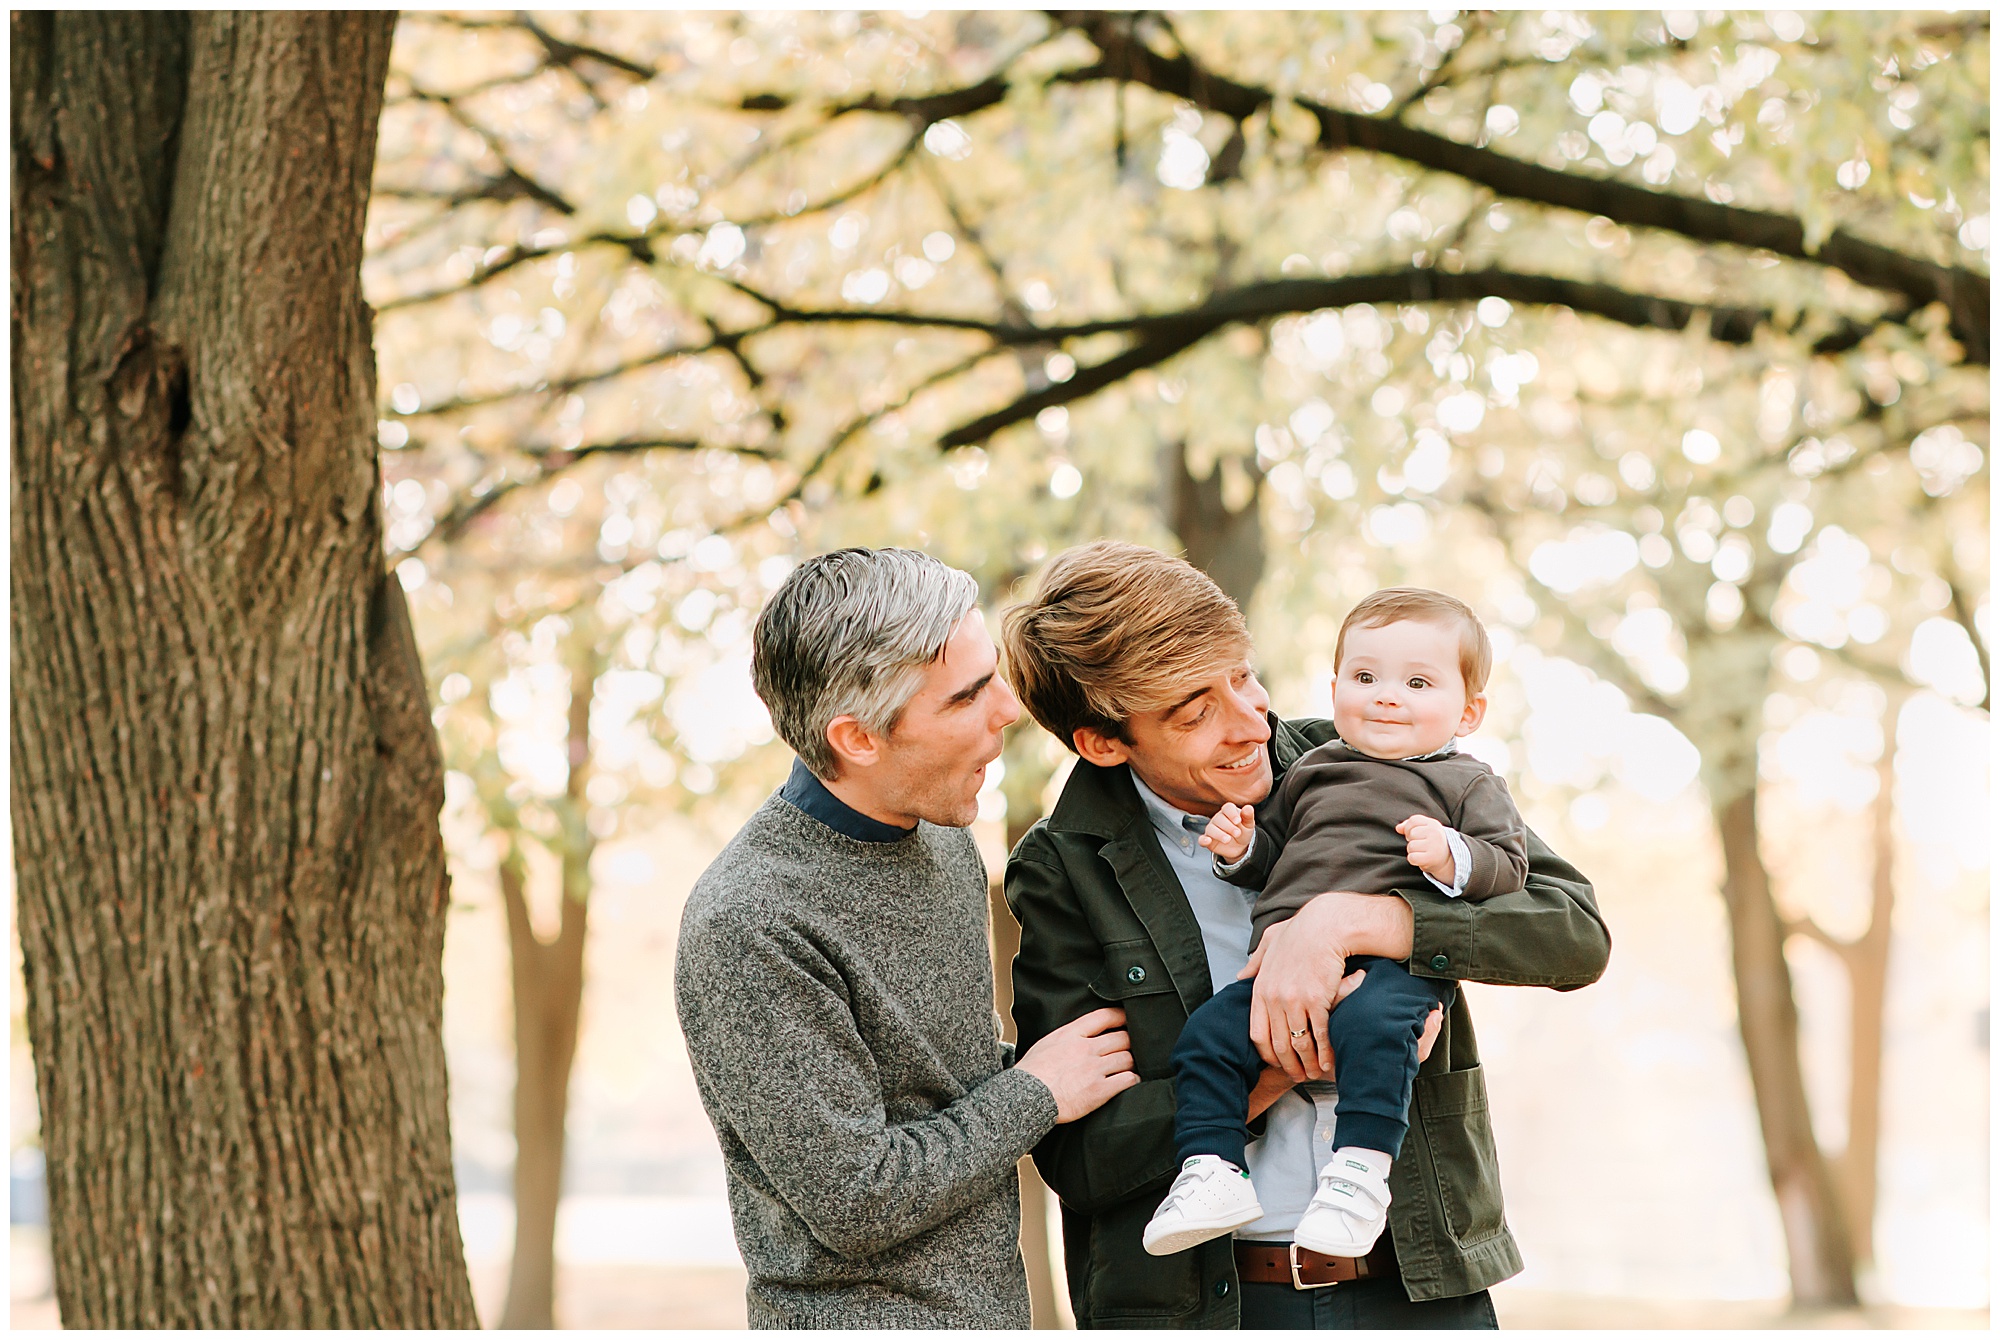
(1084, 1063)
(1274, 1083)
(1299, 966)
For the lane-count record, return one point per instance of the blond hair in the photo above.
(1395, 604)
(1116, 629)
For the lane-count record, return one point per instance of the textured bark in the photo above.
(548, 1009)
(1817, 1241)
(230, 877)
(1225, 543)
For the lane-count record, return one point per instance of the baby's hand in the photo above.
(1429, 852)
(1230, 832)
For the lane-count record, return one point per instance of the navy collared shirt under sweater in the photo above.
(809, 793)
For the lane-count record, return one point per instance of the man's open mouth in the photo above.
(1242, 764)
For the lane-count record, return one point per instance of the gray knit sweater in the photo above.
(837, 998)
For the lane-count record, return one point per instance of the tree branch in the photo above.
(567, 54)
(510, 184)
(1963, 615)
(1807, 928)
(1162, 336)
(553, 461)
(1086, 381)
(558, 50)
(521, 183)
(639, 244)
(1965, 293)
(559, 386)
(842, 196)
(855, 425)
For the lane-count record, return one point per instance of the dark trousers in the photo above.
(1363, 1305)
(1374, 1035)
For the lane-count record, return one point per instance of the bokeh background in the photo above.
(667, 301)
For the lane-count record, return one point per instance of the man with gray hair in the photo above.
(833, 978)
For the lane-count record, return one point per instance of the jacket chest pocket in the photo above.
(1134, 978)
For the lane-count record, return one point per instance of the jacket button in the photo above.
(1222, 1288)
(1439, 962)
(1135, 973)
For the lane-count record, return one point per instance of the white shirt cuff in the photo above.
(1461, 865)
(1227, 868)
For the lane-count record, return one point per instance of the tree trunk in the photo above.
(231, 881)
(548, 999)
(1022, 784)
(1816, 1237)
(1225, 543)
(1867, 960)
(548, 1008)
(1036, 1252)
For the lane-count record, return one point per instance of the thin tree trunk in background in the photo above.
(548, 1010)
(1022, 783)
(1817, 1241)
(1226, 543)
(231, 880)
(1867, 960)
(1036, 1253)
(548, 994)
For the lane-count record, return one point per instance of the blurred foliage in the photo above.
(668, 299)
(1662, 337)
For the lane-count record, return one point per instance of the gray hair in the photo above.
(849, 634)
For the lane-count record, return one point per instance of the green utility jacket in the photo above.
(1104, 922)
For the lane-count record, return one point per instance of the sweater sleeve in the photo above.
(772, 1036)
(1496, 837)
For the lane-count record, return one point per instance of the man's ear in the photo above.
(1475, 712)
(1094, 746)
(852, 744)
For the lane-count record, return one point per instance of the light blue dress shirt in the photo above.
(1298, 1128)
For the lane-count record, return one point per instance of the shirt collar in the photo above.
(1449, 748)
(1175, 823)
(810, 794)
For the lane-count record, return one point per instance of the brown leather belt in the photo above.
(1304, 1268)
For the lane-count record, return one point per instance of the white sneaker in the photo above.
(1209, 1198)
(1351, 1206)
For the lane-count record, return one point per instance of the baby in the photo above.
(1389, 797)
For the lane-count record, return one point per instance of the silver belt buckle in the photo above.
(1292, 1252)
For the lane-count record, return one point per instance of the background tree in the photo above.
(230, 877)
(791, 259)
(1693, 621)
(544, 655)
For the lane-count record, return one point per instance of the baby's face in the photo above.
(1399, 693)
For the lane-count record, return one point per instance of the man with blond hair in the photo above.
(1141, 666)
